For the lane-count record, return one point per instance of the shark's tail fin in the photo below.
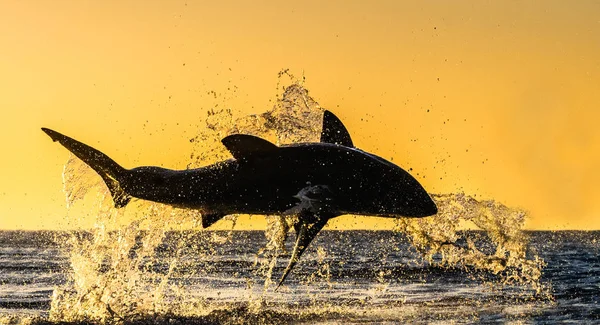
(108, 169)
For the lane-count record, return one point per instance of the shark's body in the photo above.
(316, 181)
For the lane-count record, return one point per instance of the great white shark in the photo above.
(315, 181)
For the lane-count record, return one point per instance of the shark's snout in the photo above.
(423, 204)
(434, 209)
(417, 204)
(429, 208)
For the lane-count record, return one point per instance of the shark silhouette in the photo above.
(314, 181)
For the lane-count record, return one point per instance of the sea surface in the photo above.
(344, 277)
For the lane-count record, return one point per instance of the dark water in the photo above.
(345, 276)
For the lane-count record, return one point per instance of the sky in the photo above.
(496, 99)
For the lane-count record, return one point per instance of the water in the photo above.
(349, 276)
(150, 263)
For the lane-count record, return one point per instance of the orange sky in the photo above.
(512, 89)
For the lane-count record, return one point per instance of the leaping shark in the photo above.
(315, 181)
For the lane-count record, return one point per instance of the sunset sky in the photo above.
(496, 99)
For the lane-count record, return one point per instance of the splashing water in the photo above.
(439, 236)
(130, 272)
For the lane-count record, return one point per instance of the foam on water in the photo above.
(116, 275)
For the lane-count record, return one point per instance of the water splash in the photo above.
(117, 275)
(500, 250)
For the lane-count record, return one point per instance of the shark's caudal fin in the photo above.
(108, 169)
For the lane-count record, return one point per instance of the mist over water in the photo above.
(163, 266)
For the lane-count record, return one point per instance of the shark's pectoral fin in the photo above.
(306, 230)
(209, 218)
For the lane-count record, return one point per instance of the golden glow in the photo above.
(496, 99)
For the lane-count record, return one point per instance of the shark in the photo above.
(314, 181)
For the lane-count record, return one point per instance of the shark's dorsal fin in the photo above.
(334, 131)
(243, 146)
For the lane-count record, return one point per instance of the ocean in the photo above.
(344, 277)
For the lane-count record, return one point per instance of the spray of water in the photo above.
(500, 249)
(116, 274)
